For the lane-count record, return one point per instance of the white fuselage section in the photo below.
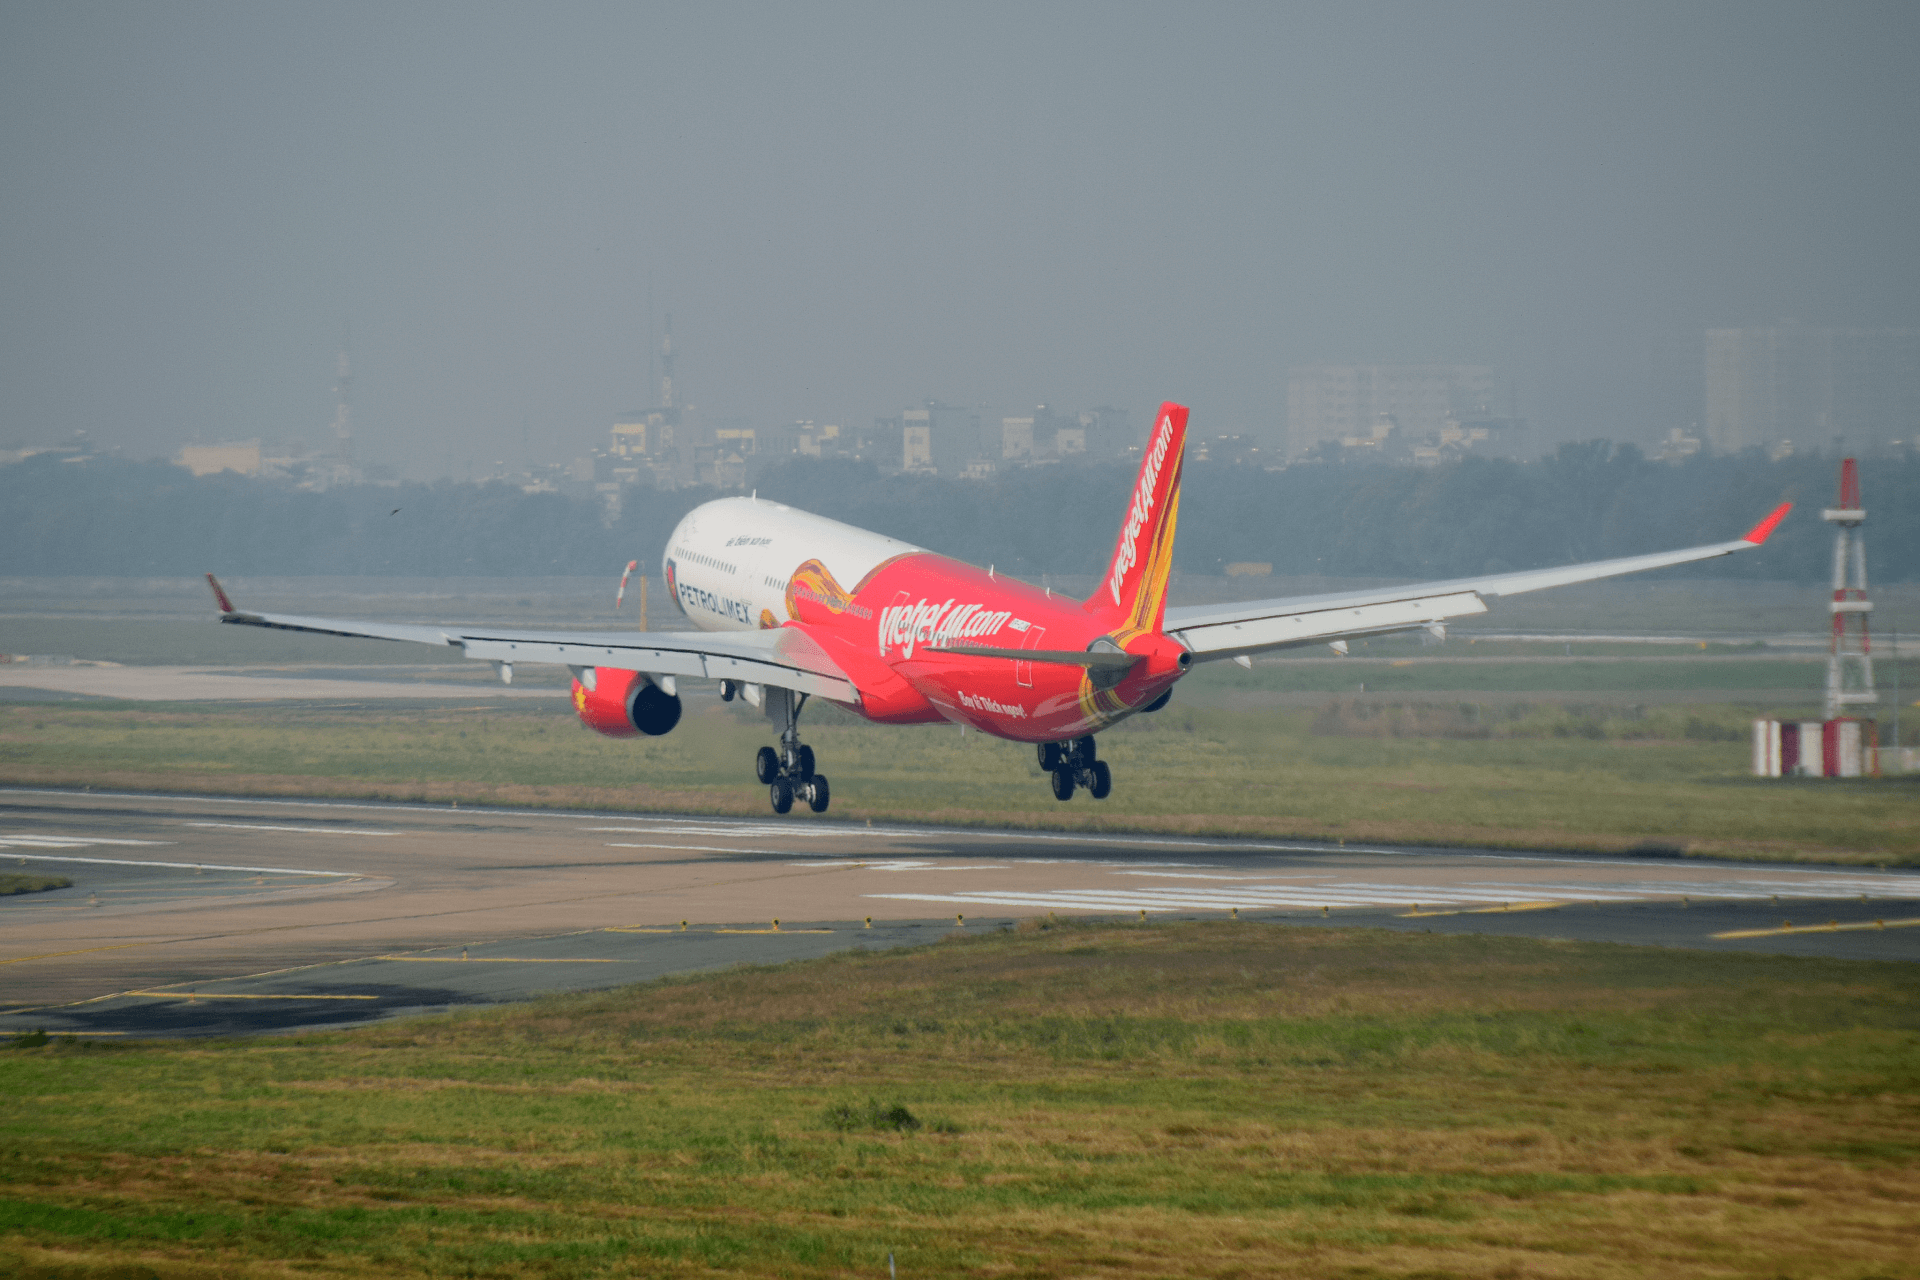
(729, 561)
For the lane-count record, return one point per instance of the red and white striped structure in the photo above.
(1850, 656)
(1839, 746)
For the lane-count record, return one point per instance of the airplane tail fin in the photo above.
(1135, 587)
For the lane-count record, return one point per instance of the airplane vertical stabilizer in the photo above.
(1134, 590)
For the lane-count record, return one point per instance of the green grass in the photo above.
(1184, 769)
(25, 883)
(1221, 1099)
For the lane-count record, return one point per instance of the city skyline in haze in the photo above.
(853, 208)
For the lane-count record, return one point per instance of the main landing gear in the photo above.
(788, 772)
(1073, 764)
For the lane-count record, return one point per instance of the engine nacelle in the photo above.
(623, 704)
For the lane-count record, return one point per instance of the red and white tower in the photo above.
(1850, 657)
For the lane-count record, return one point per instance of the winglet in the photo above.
(220, 596)
(1758, 534)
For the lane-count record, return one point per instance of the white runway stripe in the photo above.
(191, 867)
(42, 841)
(303, 831)
(1738, 887)
(1172, 899)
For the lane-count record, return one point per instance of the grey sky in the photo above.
(851, 208)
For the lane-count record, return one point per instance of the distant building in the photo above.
(916, 441)
(642, 434)
(737, 440)
(242, 456)
(1786, 384)
(1677, 447)
(1016, 439)
(1340, 402)
(1108, 432)
(1234, 451)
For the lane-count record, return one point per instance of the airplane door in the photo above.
(1023, 671)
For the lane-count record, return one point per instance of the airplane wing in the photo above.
(783, 657)
(1237, 630)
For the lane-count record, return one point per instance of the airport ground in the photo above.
(1065, 1097)
(1504, 967)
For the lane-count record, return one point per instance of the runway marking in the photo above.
(1504, 907)
(906, 865)
(251, 996)
(706, 849)
(514, 960)
(1736, 887)
(305, 831)
(759, 829)
(1209, 898)
(772, 930)
(46, 841)
(1832, 927)
(1219, 876)
(203, 867)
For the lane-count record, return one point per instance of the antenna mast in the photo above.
(343, 407)
(1850, 656)
(666, 367)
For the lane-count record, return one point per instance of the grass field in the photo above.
(1220, 1100)
(1535, 777)
(27, 883)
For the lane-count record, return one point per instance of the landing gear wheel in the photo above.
(1063, 785)
(766, 765)
(817, 794)
(781, 793)
(1102, 782)
(1049, 757)
(806, 763)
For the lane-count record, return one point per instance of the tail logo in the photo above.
(1142, 507)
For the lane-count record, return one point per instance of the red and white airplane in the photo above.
(792, 606)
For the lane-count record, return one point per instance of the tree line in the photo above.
(112, 516)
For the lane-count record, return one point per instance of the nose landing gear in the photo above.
(788, 773)
(1073, 764)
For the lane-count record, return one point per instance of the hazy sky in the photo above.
(851, 208)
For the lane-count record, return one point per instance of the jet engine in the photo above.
(622, 704)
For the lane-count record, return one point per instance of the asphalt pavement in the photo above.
(208, 916)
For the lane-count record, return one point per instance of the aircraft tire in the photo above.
(1049, 757)
(1063, 785)
(766, 765)
(780, 792)
(806, 762)
(817, 794)
(1102, 783)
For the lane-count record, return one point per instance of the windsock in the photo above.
(622, 593)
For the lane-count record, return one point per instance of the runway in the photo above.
(202, 915)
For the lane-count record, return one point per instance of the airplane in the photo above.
(919, 638)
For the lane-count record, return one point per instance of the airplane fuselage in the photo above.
(886, 610)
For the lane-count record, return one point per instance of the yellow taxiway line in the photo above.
(251, 996)
(1475, 911)
(512, 960)
(652, 929)
(1831, 927)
